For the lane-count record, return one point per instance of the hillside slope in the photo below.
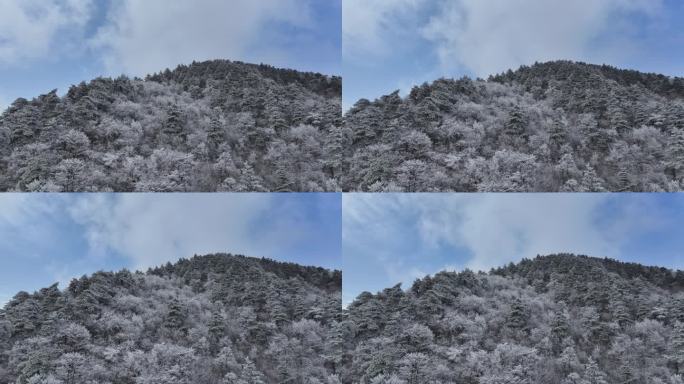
(555, 319)
(215, 125)
(557, 126)
(210, 319)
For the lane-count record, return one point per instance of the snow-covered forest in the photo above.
(210, 319)
(210, 126)
(554, 319)
(230, 126)
(557, 126)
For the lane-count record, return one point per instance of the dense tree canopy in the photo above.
(558, 126)
(210, 126)
(230, 126)
(210, 319)
(555, 319)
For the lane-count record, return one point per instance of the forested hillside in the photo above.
(555, 319)
(557, 126)
(210, 319)
(209, 126)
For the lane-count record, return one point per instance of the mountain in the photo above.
(555, 319)
(210, 319)
(215, 125)
(557, 126)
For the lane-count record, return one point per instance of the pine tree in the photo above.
(618, 120)
(620, 313)
(250, 373)
(175, 316)
(278, 314)
(517, 316)
(173, 131)
(216, 327)
(516, 125)
(590, 181)
(624, 181)
(593, 374)
(249, 180)
(675, 155)
(215, 136)
(557, 138)
(678, 347)
(559, 331)
(335, 147)
(335, 346)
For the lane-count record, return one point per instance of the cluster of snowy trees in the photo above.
(210, 319)
(560, 319)
(557, 126)
(210, 126)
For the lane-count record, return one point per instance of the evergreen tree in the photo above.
(559, 332)
(173, 131)
(175, 317)
(678, 346)
(516, 126)
(675, 155)
(593, 374)
(517, 316)
(215, 136)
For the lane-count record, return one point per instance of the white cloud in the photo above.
(62, 236)
(30, 29)
(498, 229)
(494, 229)
(20, 209)
(147, 36)
(366, 25)
(491, 36)
(152, 229)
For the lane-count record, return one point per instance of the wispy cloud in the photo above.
(145, 36)
(56, 237)
(48, 44)
(495, 35)
(30, 29)
(367, 25)
(390, 42)
(153, 229)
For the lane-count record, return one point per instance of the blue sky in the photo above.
(393, 238)
(48, 44)
(48, 238)
(395, 44)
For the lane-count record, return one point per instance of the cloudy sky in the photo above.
(395, 44)
(393, 238)
(50, 238)
(47, 44)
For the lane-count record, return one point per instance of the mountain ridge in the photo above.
(554, 127)
(554, 319)
(217, 318)
(208, 126)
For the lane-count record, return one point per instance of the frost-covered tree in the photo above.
(202, 320)
(169, 132)
(554, 319)
(580, 127)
